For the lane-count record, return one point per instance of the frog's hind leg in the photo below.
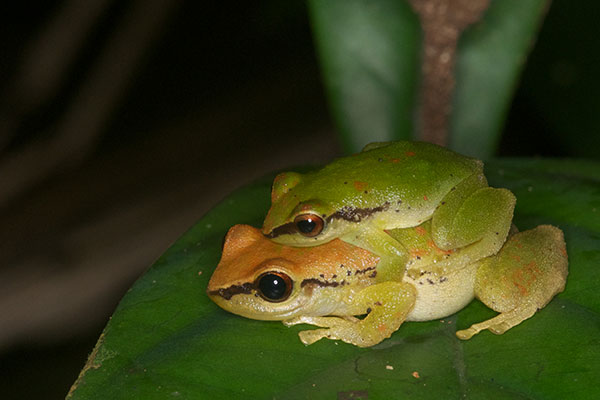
(472, 214)
(529, 270)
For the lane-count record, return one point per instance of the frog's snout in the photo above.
(250, 262)
(230, 269)
(238, 238)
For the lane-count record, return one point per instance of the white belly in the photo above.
(438, 297)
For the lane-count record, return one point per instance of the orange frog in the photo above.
(329, 285)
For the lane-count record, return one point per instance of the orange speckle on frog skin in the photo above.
(420, 230)
(425, 198)
(522, 289)
(533, 266)
(440, 251)
(415, 253)
(360, 186)
(277, 182)
(395, 160)
(523, 278)
(533, 270)
(306, 207)
(433, 246)
(410, 153)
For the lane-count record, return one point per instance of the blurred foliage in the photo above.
(370, 67)
(490, 58)
(556, 107)
(369, 59)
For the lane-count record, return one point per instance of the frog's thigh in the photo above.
(387, 304)
(472, 212)
(526, 274)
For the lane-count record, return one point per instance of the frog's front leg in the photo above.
(526, 274)
(475, 215)
(392, 254)
(387, 304)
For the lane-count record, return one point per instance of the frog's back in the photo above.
(414, 173)
(397, 157)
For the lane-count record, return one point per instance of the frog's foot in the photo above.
(336, 328)
(387, 305)
(499, 324)
(317, 321)
(521, 279)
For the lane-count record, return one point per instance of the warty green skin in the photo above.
(398, 185)
(389, 186)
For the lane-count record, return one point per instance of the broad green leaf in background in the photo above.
(168, 340)
(491, 55)
(369, 53)
(370, 57)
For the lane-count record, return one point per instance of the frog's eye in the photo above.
(309, 224)
(274, 286)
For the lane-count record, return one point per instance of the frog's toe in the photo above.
(323, 322)
(312, 336)
(499, 324)
(293, 321)
(500, 328)
(334, 328)
(466, 334)
(490, 324)
(348, 333)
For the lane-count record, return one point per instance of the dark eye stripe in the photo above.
(232, 290)
(284, 229)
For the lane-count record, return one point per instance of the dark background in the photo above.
(123, 122)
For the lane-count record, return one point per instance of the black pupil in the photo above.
(306, 225)
(272, 286)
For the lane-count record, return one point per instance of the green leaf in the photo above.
(167, 339)
(369, 52)
(490, 57)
